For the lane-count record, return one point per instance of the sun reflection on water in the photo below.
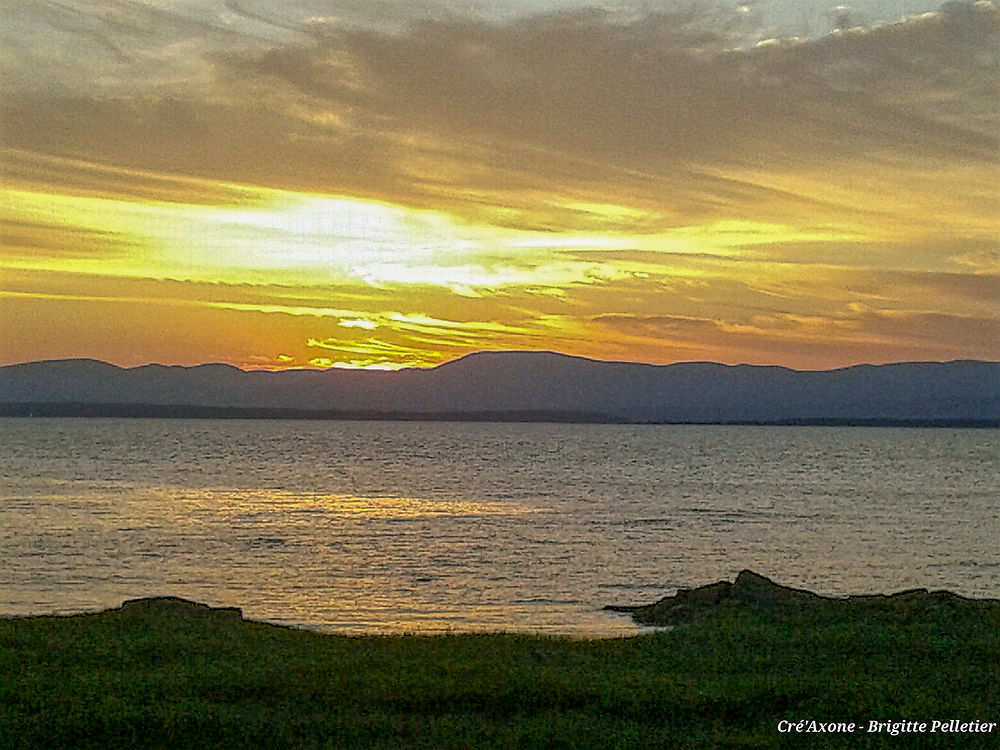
(266, 500)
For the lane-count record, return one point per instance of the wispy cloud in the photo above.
(487, 119)
(640, 182)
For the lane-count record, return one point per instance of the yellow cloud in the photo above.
(405, 198)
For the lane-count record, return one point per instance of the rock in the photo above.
(175, 606)
(756, 592)
(754, 588)
(749, 589)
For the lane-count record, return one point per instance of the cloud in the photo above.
(39, 172)
(857, 334)
(416, 339)
(27, 240)
(647, 173)
(495, 120)
(986, 260)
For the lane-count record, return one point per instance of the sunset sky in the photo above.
(384, 183)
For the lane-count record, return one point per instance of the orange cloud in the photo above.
(642, 186)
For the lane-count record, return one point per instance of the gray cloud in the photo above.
(656, 112)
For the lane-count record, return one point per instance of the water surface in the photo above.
(429, 527)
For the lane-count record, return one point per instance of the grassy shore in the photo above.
(165, 673)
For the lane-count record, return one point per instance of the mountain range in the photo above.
(520, 386)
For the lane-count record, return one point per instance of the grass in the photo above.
(177, 677)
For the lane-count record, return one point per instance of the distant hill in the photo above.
(518, 386)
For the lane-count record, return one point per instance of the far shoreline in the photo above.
(82, 410)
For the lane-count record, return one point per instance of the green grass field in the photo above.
(170, 675)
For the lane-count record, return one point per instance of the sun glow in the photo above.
(286, 237)
(288, 258)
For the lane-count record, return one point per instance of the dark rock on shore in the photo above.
(175, 606)
(752, 591)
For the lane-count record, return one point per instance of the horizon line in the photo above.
(489, 352)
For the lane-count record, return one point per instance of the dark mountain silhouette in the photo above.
(540, 386)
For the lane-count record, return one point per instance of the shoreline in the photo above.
(96, 410)
(744, 663)
(750, 592)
